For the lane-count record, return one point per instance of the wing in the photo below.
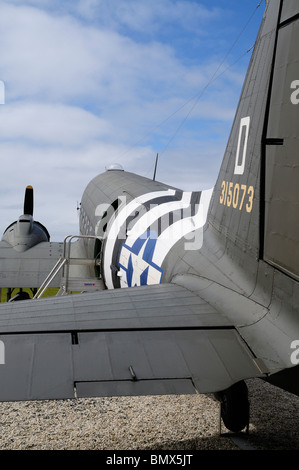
(28, 268)
(157, 339)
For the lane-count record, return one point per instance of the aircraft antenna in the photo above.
(155, 170)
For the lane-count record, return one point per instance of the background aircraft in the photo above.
(193, 292)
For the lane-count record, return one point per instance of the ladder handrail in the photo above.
(52, 274)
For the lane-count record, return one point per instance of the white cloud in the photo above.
(49, 57)
(61, 58)
(53, 125)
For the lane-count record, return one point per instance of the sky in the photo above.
(89, 83)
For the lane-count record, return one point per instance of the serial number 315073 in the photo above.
(236, 195)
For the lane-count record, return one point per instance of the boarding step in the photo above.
(77, 284)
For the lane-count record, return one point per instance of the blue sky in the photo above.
(93, 82)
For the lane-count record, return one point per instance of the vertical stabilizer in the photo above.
(255, 202)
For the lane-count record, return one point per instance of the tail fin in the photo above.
(255, 202)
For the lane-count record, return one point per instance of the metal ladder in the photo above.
(69, 284)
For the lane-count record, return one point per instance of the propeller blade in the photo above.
(28, 201)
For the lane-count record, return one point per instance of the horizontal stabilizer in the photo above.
(145, 340)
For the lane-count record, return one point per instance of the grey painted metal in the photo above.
(290, 8)
(93, 342)
(45, 366)
(281, 247)
(30, 268)
(198, 355)
(157, 306)
(134, 388)
(36, 367)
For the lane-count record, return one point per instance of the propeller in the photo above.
(26, 232)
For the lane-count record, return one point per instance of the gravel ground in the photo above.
(152, 423)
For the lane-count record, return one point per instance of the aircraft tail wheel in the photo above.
(234, 406)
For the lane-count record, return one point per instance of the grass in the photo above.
(51, 292)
